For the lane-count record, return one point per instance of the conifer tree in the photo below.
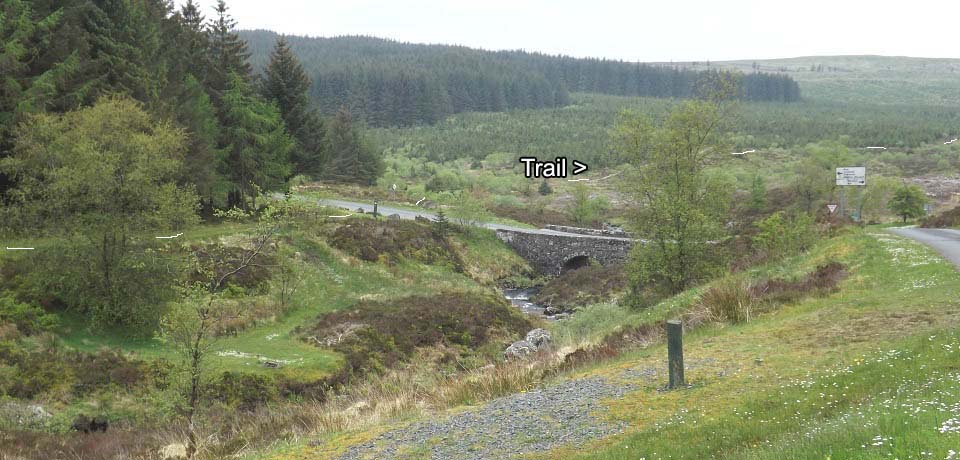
(228, 52)
(255, 142)
(351, 159)
(287, 84)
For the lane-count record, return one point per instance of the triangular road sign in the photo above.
(832, 207)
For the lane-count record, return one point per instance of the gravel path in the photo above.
(522, 423)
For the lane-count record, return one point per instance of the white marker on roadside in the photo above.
(743, 152)
(19, 249)
(420, 201)
(881, 148)
(340, 217)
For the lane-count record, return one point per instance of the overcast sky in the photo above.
(639, 30)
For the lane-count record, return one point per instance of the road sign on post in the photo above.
(832, 207)
(856, 175)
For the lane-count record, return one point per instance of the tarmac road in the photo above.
(944, 240)
(408, 214)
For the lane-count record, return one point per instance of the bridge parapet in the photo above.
(550, 253)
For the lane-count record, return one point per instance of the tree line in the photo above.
(244, 132)
(401, 84)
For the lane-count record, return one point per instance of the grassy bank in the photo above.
(867, 372)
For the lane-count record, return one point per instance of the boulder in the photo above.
(519, 349)
(394, 217)
(539, 337)
(29, 415)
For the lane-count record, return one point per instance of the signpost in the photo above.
(832, 207)
(856, 175)
(847, 176)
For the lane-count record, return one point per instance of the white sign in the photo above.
(832, 207)
(856, 175)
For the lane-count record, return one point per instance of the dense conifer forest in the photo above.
(392, 83)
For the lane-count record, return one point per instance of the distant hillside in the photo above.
(885, 80)
(391, 83)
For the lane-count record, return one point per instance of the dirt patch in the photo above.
(821, 281)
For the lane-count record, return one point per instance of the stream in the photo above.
(520, 298)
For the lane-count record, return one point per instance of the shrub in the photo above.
(376, 335)
(243, 391)
(730, 301)
(369, 240)
(445, 181)
(782, 236)
(29, 319)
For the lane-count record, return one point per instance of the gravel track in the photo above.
(534, 421)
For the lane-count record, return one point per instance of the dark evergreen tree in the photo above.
(286, 83)
(255, 142)
(228, 52)
(351, 159)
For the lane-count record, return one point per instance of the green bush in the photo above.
(782, 236)
(445, 181)
(29, 319)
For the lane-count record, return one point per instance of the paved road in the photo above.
(945, 241)
(408, 214)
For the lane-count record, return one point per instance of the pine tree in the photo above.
(545, 188)
(351, 159)
(255, 142)
(441, 224)
(287, 84)
(228, 52)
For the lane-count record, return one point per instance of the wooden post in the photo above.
(675, 352)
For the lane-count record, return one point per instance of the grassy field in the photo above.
(865, 79)
(330, 280)
(868, 372)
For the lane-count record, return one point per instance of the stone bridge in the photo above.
(553, 252)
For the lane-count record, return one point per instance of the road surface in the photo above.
(944, 240)
(408, 214)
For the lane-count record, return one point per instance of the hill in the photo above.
(892, 80)
(393, 83)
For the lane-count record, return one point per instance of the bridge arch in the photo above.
(575, 262)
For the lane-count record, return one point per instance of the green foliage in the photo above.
(908, 202)
(393, 242)
(585, 209)
(29, 319)
(99, 177)
(682, 207)
(255, 140)
(445, 181)
(352, 159)
(286, 84)
(758, 193)
(441, 225)
(389, 83)
(782, 236)
(545, 188)
(375, 335)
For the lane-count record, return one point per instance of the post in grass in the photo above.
(675, 353)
